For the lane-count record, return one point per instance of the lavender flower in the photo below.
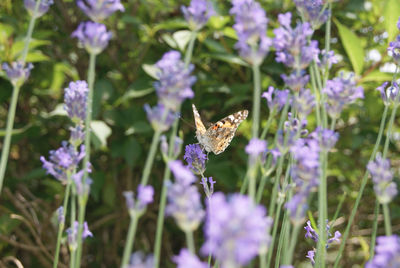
(160, 117)
(75, 98)
(303, 103)
(175, 81)
(60, 215)
(236, 230)
(92, 36)
(209, 190)
(139, 260)
(17, 73)
(99, 10)
(292, 47)
(382, 176)
(198, 13)
(196, 158)
(389, 94)
(251, 27)
(387, 253)
(296, 81)
(145, 197)
(43, 7)
(130, 200)
(82, 186)
(310, 255)
(63, 161)
(164, 147)
(341, 91)
(312, 11)
(394, 47)
(183, 198)
(327, 137)
(279, 100)
(72, 233)
(77, 135)
(186, 259)
(326, 59)
(256, 148)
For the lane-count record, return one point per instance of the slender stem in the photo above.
(264, 179)
(293, 242)
(360, 192)
(73, 219)
(29, 33)
(150, 157)
(189, 51)
(322, 212)
(190, 241)
(256, 100)
(386, 215)
(61, 224)
(268, 124)
(338, 208)
(130, 239)
(271, 209)
(327, 42)
(374, 230)
(282, 238)
(274, 231)
(389, 130)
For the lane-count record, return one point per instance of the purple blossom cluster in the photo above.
(164, 147)
(327, 138)
(387, 252)
(276, 99)
(382, 177)
(144, 197)
(198, 13)
(92, 36)
(98, 10)
(389, 92)
(72, 233)
(75, 98)
(186, 259)
(236, 229)
(196, 158)
(139, 260)
(42, 9)
(251, 28)
(303, 103)
(341, 91)
(394, 47)
(313, 12)
(17, 72)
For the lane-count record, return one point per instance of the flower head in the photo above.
(326, 59)
(60, 214)
(17, 73)
(43, 7)
(387, 252)
(296, 81)
(236, 229)
(93, 36)
(196, 158)
(278, 100)
(198, 13)
(144, 197)
(340, 92)
(161, 118)
(303, 103)
(82, 186)
(63, 160)
(327, 137)
(394, 50)
(186, 259)
(251, 27)
(139, 260)
(182, 173)
(72, 233)
(382, 176)
(75, 98)
(256, 148)
(209, 190)
(175, 82)
(164, 146)
(389, 94)
(99, 10)
(312, 11)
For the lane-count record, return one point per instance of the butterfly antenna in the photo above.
(186, 122)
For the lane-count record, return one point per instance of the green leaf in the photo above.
(182, 38)
(133, 94)
(132, 151)
(218, 22)
(377, 76)
(151, 70)
(169, 40)
(391, 14)
(230, 58)
(353, 47)
(36, 56)
(102, 131)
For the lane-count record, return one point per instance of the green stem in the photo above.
(150, 157)
(292, 245)
(271, 209)
(360, 192)
(130, 239)
(72, 220)
(189, 51)
(29, 33)
(282, 238)
(274, 231)
(374, 230)
(268, 124)
(62, 224)
(263, 180)
(322, 212)
(386, 215)
(81, 218)
(389, 130)
(338, 208)
(190, 241)
(256, 100)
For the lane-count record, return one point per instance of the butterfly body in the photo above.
(217, 137)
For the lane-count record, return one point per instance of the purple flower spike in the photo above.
(60, 214)
(17, 73)
(310, 255)
(387, 252)
(388, 94)
(186, 259)
(312, 12)
(196, 158)
(160, 118)
(99, 10)
(198, 13)
(86, 232)
(43, 7)
(251, 27)
(145, 195)
(75, 98)
(77, 135)
(93, 36)
(326, 59)
(304, 103)
(139, 260)
(296, 81)
(164, 147)
(184, 199)
(327, 136)
(256, 147)
(394, 50)
(175, 81)
(236, 229)
(130, 200)
(82, 188)
(279, 99)
(382, 177)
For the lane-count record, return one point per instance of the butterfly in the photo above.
(217, 137)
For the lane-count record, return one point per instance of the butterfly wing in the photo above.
(200, 129)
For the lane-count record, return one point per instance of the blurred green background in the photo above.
(122, 136)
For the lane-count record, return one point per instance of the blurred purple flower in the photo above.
(75, 98)
(184, 202)
(129, 199)
(77, 135)
(256, 148)
(326, 59)
(99, 10)
(387, 252)
(185, 259)
(382, 177)
(341, 91)
(303, 103)
(296, 81)
(394, 50)
(160, 117)
(82, 187)
(236, 229)
(17, 73)
(43, 7)
(92, 36)
(328, 137)
(388, 94)
(72, 234)
(279, 99)
(310, 255)
(60, 215)
(312, 11)
(139, 260)
(292, 46)
(196, 158)
(86, 232)
(164, 147)
(208, 190)
(63, 160)
(251, 28)
(175, 81)
(198, 13)
(145, 195)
